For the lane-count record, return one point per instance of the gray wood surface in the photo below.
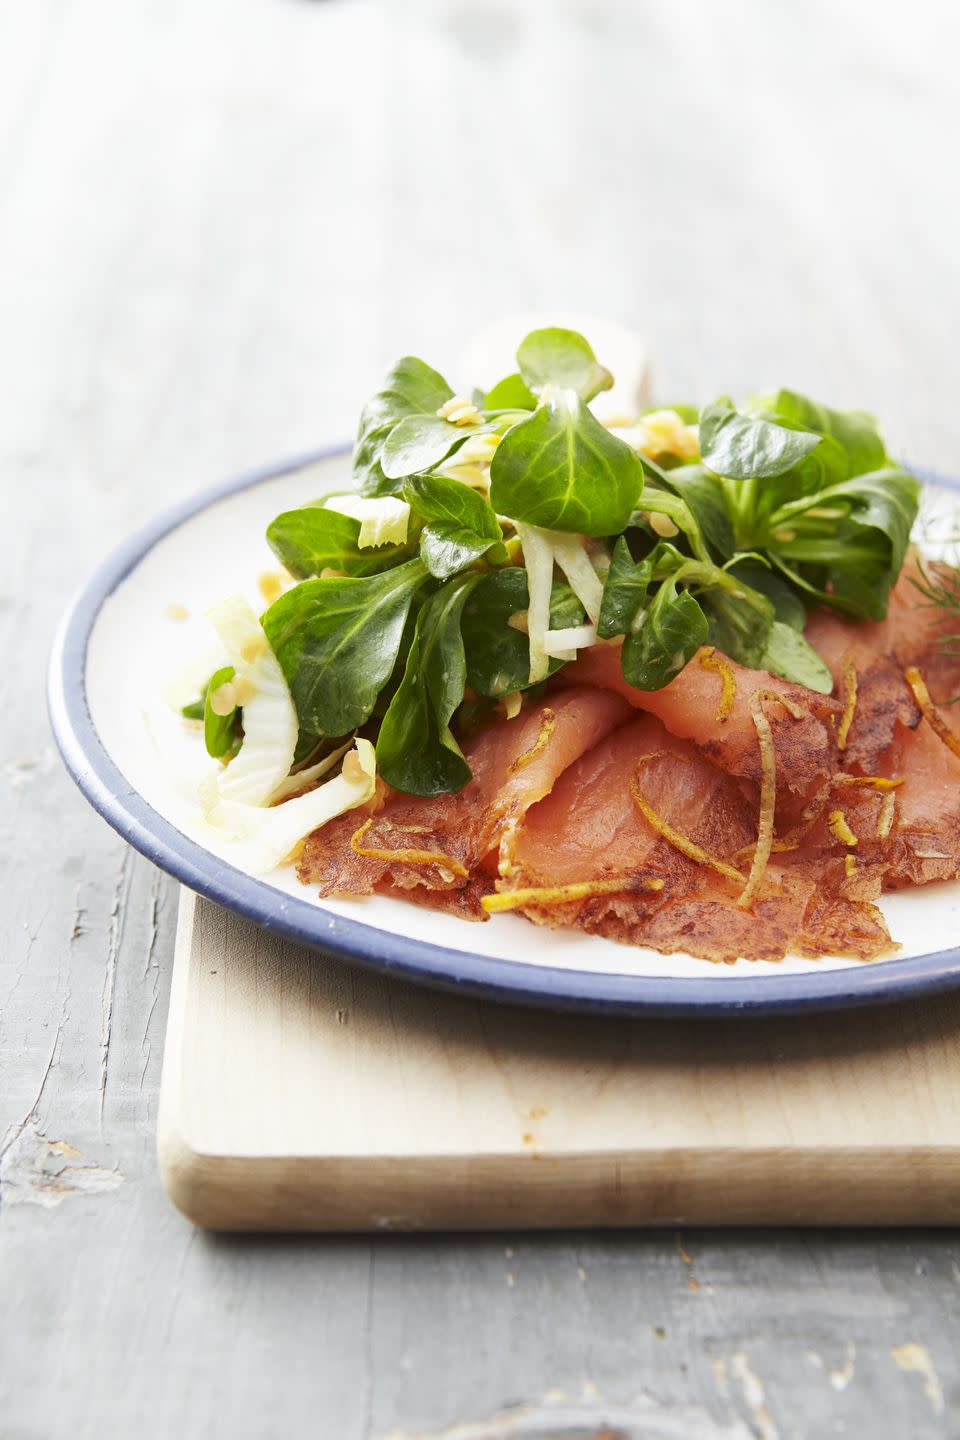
(217, 222)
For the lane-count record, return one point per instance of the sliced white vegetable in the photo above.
(561, 643)
(571, 556)
(270, 724)
(538, 557)
(384, 520)
(263, 838)
(303, 779)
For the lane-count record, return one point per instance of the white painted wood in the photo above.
(300, 1093)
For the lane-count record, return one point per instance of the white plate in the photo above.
(117, 657)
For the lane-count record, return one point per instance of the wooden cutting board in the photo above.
(301, 1093)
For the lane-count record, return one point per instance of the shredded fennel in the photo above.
(270, 726)
(264, 837)
(384, 520)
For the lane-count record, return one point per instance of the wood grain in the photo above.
(220, 220)
(302, 1094)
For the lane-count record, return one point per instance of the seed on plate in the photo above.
(176, 611)
(223, 701)
(270, 583)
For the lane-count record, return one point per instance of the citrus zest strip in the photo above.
(404, 857)
(560, 894)
(814, 808)
(849, 703)
(888, 808)
(922, 696)
(547, 726)
(711, 659)
(839, 828)
(679, 841)
(768, 792)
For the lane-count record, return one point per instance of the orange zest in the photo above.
(839, 828)
(403, 856)
(711, 659)
(930, 713)
(768, 792)
(888, 809)
(676, 838)
(547, 725)
(849, 703)
(560, 894)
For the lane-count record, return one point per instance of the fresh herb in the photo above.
(498, 653)
(459, 524)
(410, 388)
(792, 504)
(561, 360)
(743, 447)
(222, 734)
(511, 393)
(312, 539)
(416, 749)
(421, 441)
(337, 642)
(561, 470)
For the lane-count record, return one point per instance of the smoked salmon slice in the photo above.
(589, 828)
(689, 706)
(432, 848)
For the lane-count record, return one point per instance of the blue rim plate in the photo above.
(307, 923)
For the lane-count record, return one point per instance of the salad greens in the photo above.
(788, 505)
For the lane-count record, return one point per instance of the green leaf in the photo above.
(739, 621)
(498, 656)
(460, 525)
(421, 441)
(220, 732)
(337, 642)
(744, 447)
(672, 632)
(853, 430)
(625, 591)
(196, 709)
(312, 539)
(511, 393)
(789, 655)
(563, 359)
(560, 469)
(409, 388)
(787, 606)
(847, 543)
(705, 500)
(416, 750)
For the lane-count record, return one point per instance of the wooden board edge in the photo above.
(893, 1186)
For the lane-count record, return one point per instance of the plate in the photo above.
(119, 651)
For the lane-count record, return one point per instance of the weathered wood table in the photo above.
(219, 221)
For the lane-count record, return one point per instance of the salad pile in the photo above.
(492, 537)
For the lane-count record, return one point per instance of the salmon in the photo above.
(590, 829)
(551, 802)
(915, 632)
(805, 748)
(514, 763)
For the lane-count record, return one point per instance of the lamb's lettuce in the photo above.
(337, 642)
(416, 749)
